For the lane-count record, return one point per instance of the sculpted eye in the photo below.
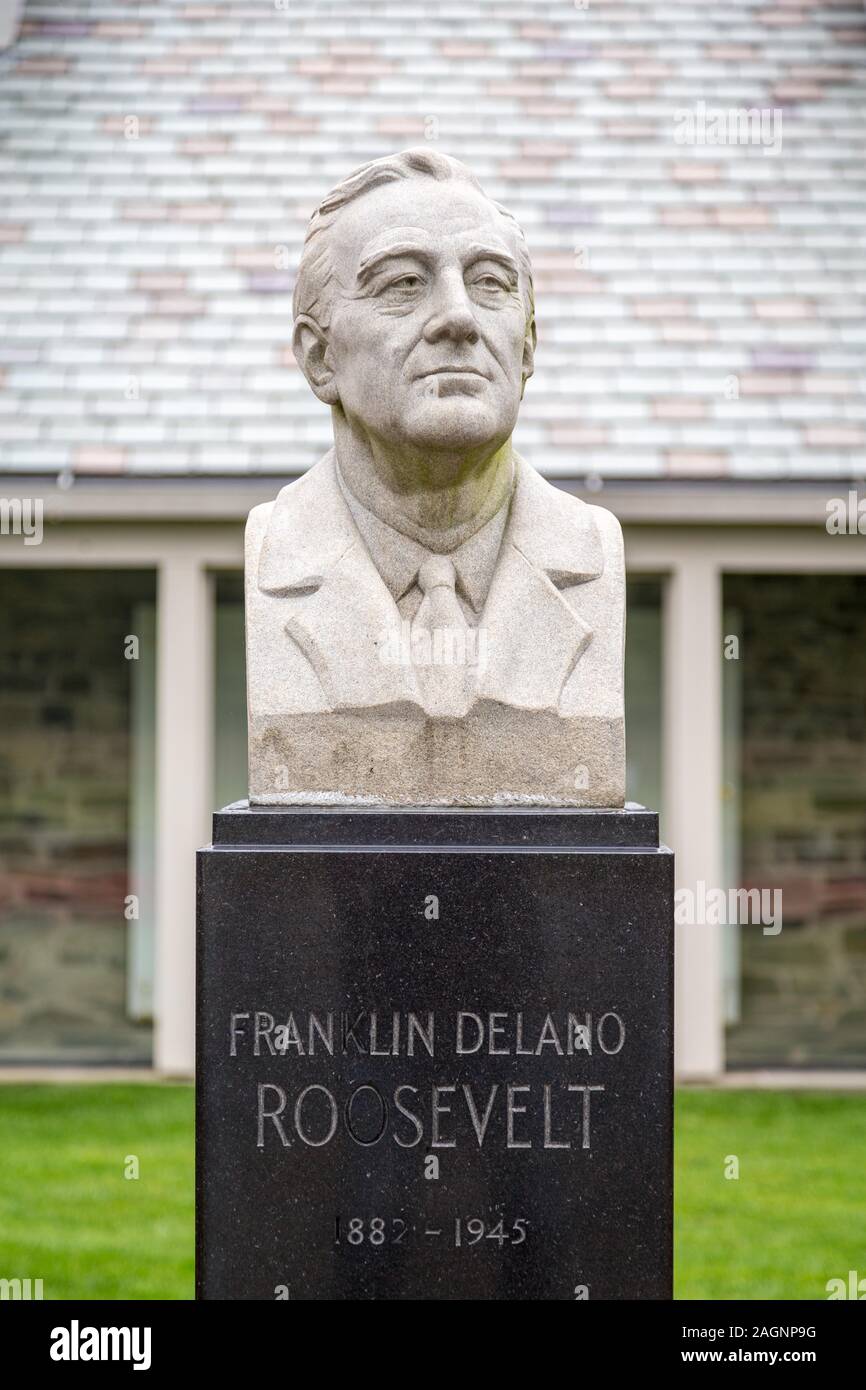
(489, 282)
(402, 291)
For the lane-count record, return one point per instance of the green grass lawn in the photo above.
(794, 1218)
(67, 1213)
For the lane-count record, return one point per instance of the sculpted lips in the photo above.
(454, 371)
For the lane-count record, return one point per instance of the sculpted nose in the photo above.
(452, 315)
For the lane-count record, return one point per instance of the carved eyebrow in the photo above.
(370, 264)
(478, 251)
(481, 252)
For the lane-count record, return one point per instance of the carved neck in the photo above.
(438, 499)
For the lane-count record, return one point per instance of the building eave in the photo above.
(703, 502)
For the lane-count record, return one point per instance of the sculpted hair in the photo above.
(316, 272)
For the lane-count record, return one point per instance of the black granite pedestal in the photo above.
(434, 1055)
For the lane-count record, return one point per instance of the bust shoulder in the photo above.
(610, 533)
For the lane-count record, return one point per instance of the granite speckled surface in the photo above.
(463, 1087)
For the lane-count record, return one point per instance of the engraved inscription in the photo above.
(528, 1112)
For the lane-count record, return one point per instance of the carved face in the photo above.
(428, 343)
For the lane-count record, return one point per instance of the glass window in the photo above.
(76, 671)
(230, 706)
(643, 692)
(796, 750)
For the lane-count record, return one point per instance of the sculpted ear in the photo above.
(310, 346)
(528, 353)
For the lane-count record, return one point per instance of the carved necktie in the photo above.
(441, 642)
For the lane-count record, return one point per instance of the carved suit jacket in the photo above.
(318, 613)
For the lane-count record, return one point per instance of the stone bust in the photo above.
(429, 622)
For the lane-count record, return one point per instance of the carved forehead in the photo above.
(422, 210)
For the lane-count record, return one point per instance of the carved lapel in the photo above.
(343, 618)
(534, 637)
(338, 609)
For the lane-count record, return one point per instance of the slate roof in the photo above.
(700, 307)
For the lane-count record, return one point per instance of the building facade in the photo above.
(691, 182)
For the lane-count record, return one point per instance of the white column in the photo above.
(692, 796)
(184, 777)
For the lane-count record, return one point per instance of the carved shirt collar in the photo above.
(398, 557)
(311, 528)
